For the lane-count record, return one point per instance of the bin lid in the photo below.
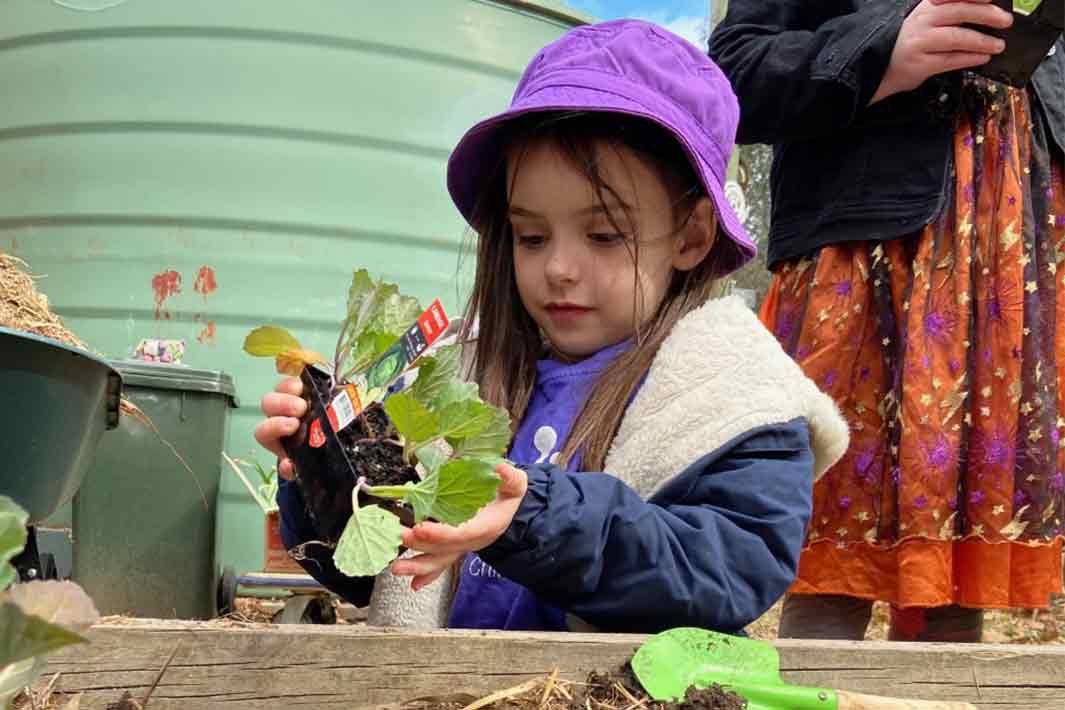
(175, 377)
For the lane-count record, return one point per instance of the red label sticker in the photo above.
(433, 322)
(332, 415)
(317, 437)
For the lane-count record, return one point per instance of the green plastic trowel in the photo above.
(672, 661)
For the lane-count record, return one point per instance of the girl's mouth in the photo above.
(566, 312)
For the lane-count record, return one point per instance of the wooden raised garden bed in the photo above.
(237, 666)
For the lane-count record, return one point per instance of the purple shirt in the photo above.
(484, 598)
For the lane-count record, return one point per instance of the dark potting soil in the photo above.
(374, 452)
(601, 691)
(602, 688)
(713, 698)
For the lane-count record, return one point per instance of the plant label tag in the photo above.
(316, 438)
(433, 323)
(430, 325)
(344, 408)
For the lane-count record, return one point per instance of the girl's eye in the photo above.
(606, 238)
(530, 241)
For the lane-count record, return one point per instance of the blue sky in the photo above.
(685, 17)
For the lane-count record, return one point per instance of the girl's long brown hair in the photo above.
(509, 342)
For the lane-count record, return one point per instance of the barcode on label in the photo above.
(342, 411)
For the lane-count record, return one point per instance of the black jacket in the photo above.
(804, 73)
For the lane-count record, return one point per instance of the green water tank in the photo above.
(192, 169)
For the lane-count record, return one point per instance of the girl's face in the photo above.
(575, 270)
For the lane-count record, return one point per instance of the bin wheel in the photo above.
(307, 609)
(227, 592)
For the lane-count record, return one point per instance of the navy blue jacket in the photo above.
(804, 73)
(586, 542)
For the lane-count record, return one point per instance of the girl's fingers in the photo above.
(426, 579)
(513, 481)
(276, 404)
(423, 565)
(436, 538)
(283, 408)
(481, 530)
(269, 433)
(286, 469)
(290, 385)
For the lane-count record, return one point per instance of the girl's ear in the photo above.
(696, 237)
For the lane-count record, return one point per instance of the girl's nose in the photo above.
(562, 263)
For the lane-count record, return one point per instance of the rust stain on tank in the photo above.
(206, 336)
(205, 282)
(165, 284)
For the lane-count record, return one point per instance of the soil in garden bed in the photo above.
(603, 689)
(614, 690)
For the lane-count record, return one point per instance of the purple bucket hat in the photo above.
(630, 67)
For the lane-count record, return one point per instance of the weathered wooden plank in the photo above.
(255, 667)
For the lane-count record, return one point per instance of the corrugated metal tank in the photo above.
(194, 169)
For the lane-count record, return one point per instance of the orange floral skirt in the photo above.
(941, 350)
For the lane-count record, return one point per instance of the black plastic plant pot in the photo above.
(1028, 41)
(329, 463)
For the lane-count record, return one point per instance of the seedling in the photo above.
(371, 458)
(36, 618)
(264, 493)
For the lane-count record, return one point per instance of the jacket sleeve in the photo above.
(802, 76)
(296, 529)
(714, 548)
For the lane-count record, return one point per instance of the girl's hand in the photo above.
(932, 41)
(283, 408)
(441, 545)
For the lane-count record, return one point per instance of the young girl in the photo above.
(918, 221)
(597, 199)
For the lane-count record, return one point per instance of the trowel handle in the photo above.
(858, 701)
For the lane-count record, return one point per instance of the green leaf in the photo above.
(361, 299)
(465, 486)
(270, 341)
(14, 677)
(490, 442)
(436, 373)
(422, 496)
(412, 420)
(57, 602)
(24, 635)
(396, 313)
(455, 391)
(375, 310)
(419, 496)
(464, 419)
(368, 347)
(369, 542)
(433, 455)
(12, 538)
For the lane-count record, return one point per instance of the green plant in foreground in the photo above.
(452, 438)
(36, 618)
